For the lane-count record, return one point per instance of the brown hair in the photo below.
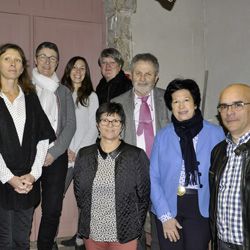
(24, 80)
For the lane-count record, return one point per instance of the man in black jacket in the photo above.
(114, 81)
(230, 173)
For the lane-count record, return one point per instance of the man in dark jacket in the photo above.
(114, 81)
(230, 173)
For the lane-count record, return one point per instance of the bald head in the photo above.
(236, 117)
(242, 88)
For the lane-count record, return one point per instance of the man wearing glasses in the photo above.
(230, 173)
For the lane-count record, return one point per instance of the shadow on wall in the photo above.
(167, 4)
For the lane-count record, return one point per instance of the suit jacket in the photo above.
(127, 101)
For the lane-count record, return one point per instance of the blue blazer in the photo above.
(166, 164)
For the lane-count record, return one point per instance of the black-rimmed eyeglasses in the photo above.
(43, 58)
(106, 122)
(236, 106)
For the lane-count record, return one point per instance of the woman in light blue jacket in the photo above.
(179, 168)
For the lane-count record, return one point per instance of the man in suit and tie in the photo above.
(146, 113)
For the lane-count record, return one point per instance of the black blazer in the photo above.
(132, 188)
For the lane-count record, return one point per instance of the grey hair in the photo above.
(147, 57)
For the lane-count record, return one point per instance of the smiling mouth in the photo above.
(183, 112)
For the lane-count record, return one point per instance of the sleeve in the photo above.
(63, 140)
(157, 194)
(143, 185)
(5, 173)
(76, 180)
(91, 134)
(36, 169)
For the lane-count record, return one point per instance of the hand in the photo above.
(28, 179)
(170, 229)
(48, 160)
(71, 155)
(21, 186)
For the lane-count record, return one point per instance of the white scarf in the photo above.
(46, 88)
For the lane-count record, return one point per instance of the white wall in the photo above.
(197, 35)
(174, 37)
(227, 47)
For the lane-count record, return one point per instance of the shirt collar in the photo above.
(138, 100)
(243, 139)
(20, 94)
(112, 154)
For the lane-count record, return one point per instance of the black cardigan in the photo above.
(132, 188)
(20, 158)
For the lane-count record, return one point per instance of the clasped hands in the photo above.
(22, 184)
(170, 230)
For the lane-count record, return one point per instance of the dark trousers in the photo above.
(15, 227)
(142, 241)
(154, 242)
(195, 232)
(53, 182)
(228, 246)
(154, 236)
(69, 179)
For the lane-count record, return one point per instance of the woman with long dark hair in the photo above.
(77, 78)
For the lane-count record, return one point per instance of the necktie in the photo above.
(145, 125)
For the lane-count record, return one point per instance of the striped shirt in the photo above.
(229, 213)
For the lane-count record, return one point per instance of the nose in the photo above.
(110, 124)
(108, 65)
(12, 62)
(230, 109)
(142, 78)
(181, 104)
(78, 70)
(47, 61)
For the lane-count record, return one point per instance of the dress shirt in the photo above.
(17, 111)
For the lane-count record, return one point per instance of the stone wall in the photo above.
(118, 23)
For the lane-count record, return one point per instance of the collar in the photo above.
(20, 94)
(243, 139)
(137, 99)
(112, 154)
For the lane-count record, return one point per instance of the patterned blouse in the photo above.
(103, 212)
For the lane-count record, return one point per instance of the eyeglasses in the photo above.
(112, 64)
(106, 122)
(236, 106)
(43, 58)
